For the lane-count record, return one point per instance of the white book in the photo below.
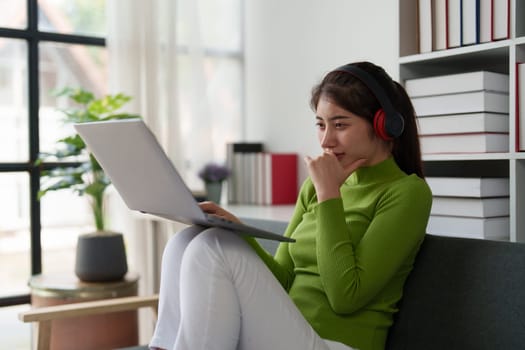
(251, 185)
(457, 226)
(464, 123)
(230, 183)
(521, 104)
(485, 20)
(500, 19)
(238, 177)
(468, 102)
(474, 187)
(439, 25)
(267, 195)
(464, 143)
(454, 23)
(470, 22)
(260, 178)
(471, 207)
(425, 25)
(457, 83)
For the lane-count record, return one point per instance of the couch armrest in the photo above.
(45, 315)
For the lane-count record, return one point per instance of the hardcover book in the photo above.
(475, 187)
(470, 207)
(453, 23)
(468, 227)
(425, 25)
(464, 123)
(468, 102)
(458, 83)
(464, 143)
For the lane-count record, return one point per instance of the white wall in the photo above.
(290, 45)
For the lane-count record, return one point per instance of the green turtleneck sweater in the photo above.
(352, 255)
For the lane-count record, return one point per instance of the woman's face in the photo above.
(349, 136)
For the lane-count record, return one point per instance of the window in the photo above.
(49, 44)
(44, 44)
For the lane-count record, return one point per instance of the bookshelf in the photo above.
(497, 56)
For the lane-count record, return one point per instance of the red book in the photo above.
(280, 178)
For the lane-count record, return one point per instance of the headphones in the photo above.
(388, 123)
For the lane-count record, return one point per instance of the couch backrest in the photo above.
(463, 294)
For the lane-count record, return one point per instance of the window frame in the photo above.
(33, 38)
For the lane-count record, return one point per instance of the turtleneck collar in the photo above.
(387, 170)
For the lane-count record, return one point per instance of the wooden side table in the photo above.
(105, 331)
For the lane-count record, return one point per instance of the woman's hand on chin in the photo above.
(328, 175)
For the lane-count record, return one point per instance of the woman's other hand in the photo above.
(214, 209)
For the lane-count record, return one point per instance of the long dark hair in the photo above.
(350, 93)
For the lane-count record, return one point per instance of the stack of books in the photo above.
(445, 24)
(462, 113)
(259, 177)
(470, 207)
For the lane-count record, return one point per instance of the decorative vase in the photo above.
(213, 191)
(101, 257)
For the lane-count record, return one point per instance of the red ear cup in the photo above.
(379, 125)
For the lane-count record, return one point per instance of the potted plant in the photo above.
(213, 176)
(100, 255)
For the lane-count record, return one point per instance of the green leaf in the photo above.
(88, 178)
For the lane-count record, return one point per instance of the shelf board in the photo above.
(479, 50)
(466, 156)
(493, 56)
(520, 40)
(472, 156)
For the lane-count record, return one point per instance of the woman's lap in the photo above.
(228, 293)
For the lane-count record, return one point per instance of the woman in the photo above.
(358, 223)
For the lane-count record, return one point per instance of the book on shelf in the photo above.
(469, 227)
(520, 106)
(469, 22)
(467, 102)
(501, 19)
(409, 28)
(444, 24)
(236, 160)
(261, 178)
(453, 23)
(464, 123)
(280, 178)
(474, 187)
(485, 21)
(425, 25)
(439, 25)
(470, 207)
(457, 83)
(465, 143)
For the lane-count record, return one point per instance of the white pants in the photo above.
(216, 293)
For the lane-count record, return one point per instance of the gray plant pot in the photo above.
(101, 257)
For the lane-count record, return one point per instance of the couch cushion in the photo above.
(463, 294)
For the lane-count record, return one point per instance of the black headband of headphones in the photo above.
(372, 84)
(394, 121)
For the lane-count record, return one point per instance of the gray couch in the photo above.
(462, 294)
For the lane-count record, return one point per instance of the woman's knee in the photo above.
(179, 241)
(214, 245)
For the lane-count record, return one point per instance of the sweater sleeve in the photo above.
(281, 264)
(353, 271)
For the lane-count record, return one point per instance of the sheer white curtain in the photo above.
(143, 63)
(181, 62)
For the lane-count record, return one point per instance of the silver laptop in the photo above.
(145, 177)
